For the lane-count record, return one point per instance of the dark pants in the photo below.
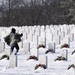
(15, 45)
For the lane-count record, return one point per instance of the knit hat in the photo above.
(13, 30)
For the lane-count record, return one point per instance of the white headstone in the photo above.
(42, 41)
(43, 34)
(43, 60)
(26, 47)
(62, 34)
(13, 61)
(66, 40)
(47, 27)
(57, 39)
(42, 28)
(8, 51)
(25, 35)
(64, 53)
(37, 32)
(55, 32)
(2, 47)
(71, 36)
(35, 39)
(51, 46)
(49, 37)
(20, 30)
(3, 34)
(73, 59)
(34, 52)
(66, 30)
(30, 37)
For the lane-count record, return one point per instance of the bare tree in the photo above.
(36, 12)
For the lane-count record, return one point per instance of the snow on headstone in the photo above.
(66, 30)
(29, 29)
(57, 39)
(55, 32)
(26, 47)
(43, 60)
(62, 28)
(25, 35)
(71, 36)
(8, 51)
(66, 40)
(62, 34)
(2, 47)
(30, 37)
(42, 40)
(13, 61)
(73, 59)
(34, 52)
(26, 29)
(35, 39)
(20, 30)
(3, 34)
(43, 34)
(64, 53)
(49, 36)
(33, 31)
(42, 29)
(47, 27)
(37, 32)
(51, 46)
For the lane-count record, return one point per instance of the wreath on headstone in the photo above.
(40, 65)
(49, 50)
(65, 46)
(4, 56)
(32, 57)
(41, 46)
(73, 52)
(71, 66)
(60, 58)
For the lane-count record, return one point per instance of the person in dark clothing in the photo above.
(14, 38)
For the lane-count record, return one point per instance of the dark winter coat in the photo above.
(12, 38)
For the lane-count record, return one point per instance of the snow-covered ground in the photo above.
(27, 67)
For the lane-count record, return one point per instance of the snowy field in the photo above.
(52, 37)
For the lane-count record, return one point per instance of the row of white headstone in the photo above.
(40, 33)
(26, 46)
(41, 58)
(33, 52)
(40, 36)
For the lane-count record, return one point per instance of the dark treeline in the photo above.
(37, 12)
